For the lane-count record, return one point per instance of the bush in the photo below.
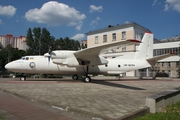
(162, 74)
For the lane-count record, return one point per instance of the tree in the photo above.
(47, 41)
(39, 41)
(67, 44)
(83, 46)
(9, 53)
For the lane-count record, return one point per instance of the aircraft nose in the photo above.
(9, 66)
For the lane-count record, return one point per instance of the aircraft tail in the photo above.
(145, 49)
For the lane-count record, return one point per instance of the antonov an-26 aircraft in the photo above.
(90, 61)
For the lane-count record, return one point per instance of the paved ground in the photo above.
(104, 98)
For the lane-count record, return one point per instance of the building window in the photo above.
(123, 49)
(96, 40)
(177, 64)
(169, 64)
(154, 53)
(163, 64)
(113, 50)
(114, 36)
(104, 38)
(123, 35)
(169, 73)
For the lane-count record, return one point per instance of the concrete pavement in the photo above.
(100, 100)
(14, 108)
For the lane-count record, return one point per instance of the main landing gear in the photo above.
(85, 78)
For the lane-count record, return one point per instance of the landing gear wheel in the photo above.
(23, 78)
(87, 79)
(75, 77)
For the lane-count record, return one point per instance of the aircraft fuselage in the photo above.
(44, 65)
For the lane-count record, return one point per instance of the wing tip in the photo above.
(149, 32)
(133, 40)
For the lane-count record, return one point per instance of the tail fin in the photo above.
(145, 49)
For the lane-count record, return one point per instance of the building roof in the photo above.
(116, 27)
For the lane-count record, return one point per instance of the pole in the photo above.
(39, 46)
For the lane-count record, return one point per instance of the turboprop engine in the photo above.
(64, 58)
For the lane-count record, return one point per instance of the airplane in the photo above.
(89, 61)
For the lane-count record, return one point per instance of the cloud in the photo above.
(95, 22)
(127, 22)
(77, 24)
(78, 37)
(154, 3)
(7, 10)
(174, 4)
(53, 13)
(94, 8)
(166, 7)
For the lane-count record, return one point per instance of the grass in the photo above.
(1, 118)
(169, 113)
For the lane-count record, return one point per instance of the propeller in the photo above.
(48, 54)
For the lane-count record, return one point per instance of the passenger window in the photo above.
(27, 58)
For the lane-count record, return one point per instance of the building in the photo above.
(135, 31)
(171, 64)
(116, 33)
(16, 42)
(83, 44)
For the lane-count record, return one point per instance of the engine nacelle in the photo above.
(64, 58)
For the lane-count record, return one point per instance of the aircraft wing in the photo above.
(91, 56)
(154, 60)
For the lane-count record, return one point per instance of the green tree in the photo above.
(39, 41)
(67, 44)
(83, 46)
(8, 54)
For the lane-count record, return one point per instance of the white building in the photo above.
(171, 64)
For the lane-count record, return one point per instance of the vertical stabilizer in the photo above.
(145, 49)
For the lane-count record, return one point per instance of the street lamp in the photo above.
(39, 45)
(39, 40)
(179, 62)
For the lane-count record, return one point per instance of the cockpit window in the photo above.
(27, 58)
(23, 58)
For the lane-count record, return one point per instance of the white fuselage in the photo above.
(44, 65)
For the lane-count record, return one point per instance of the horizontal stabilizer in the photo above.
(154, 60)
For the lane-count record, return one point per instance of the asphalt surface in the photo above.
(65, 99)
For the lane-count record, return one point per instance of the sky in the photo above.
(74, 18)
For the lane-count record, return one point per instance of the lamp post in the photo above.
(179, 61)
(39, 40)
(39, 46)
